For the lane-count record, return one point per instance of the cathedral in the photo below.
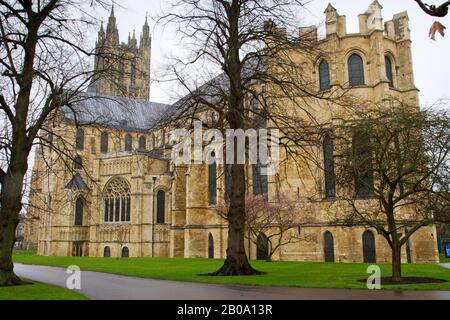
(123, 196)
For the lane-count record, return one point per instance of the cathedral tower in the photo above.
(122, 69)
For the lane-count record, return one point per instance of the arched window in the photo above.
(142, 143)
(78, 163)
(79, 140)
(389, 73)
(125, 252)
(107, 252)
(212, 180)
(79, 210)
(362, 165)
(355, 70)
(153, 141)
(104, 143)
(369, 251)
(262, 247)
(328, 150)
(328, 246)
(256, 103)
(260, 182)
(210, 246)
(160, 207)
(117, 201)
(128, 143)
(324, 75)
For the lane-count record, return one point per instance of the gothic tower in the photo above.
(122, 69)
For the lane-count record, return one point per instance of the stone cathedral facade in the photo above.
(126, 198)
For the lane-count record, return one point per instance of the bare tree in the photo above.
(397, 160)
(43, 66)
(276, 222)
(262, 74)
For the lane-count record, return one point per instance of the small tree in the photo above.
(397, 159)
(278, 221)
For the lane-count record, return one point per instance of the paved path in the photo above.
(104, 286)
(445, 265)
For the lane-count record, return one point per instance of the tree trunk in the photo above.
(10, 207)
(396, 263)
(236, 262)
(7, 239)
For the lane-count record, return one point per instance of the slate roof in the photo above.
(114, 112)
(77, 183)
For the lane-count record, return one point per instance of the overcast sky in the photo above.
(430, 58)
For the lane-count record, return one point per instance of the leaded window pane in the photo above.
(362, 159)
(324, 75)
(355, 70)
(212, 181)
(117, 201)
(328, 150)
(104, 142)
(160, 206)
(128, 143)
(389, 73)
(79, 141)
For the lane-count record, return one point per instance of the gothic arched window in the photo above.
(128, 143)
(104, 142)
(125, 252)
(389, 73)
(107, 252)
(78, 163)
(328, 150)
(79, 210)
(328, 246)
(142, 143)
(117, 201)
(356, 70)
(260, 182)
(324, 75)
(210, 246)
(160, 207)
(362, 165)
(369, 250)
(212, 180)
(79, 139)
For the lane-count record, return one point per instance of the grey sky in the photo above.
(431, 62)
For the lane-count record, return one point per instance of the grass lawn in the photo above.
(38, 291)
(444, 259)
(293, 274)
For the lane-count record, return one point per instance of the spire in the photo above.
(145, 37)
(330, 8)
(376, 4)
(112, 33)
(374, 16)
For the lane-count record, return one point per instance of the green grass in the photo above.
(38, 291)
(290, 274)
(444, 259)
